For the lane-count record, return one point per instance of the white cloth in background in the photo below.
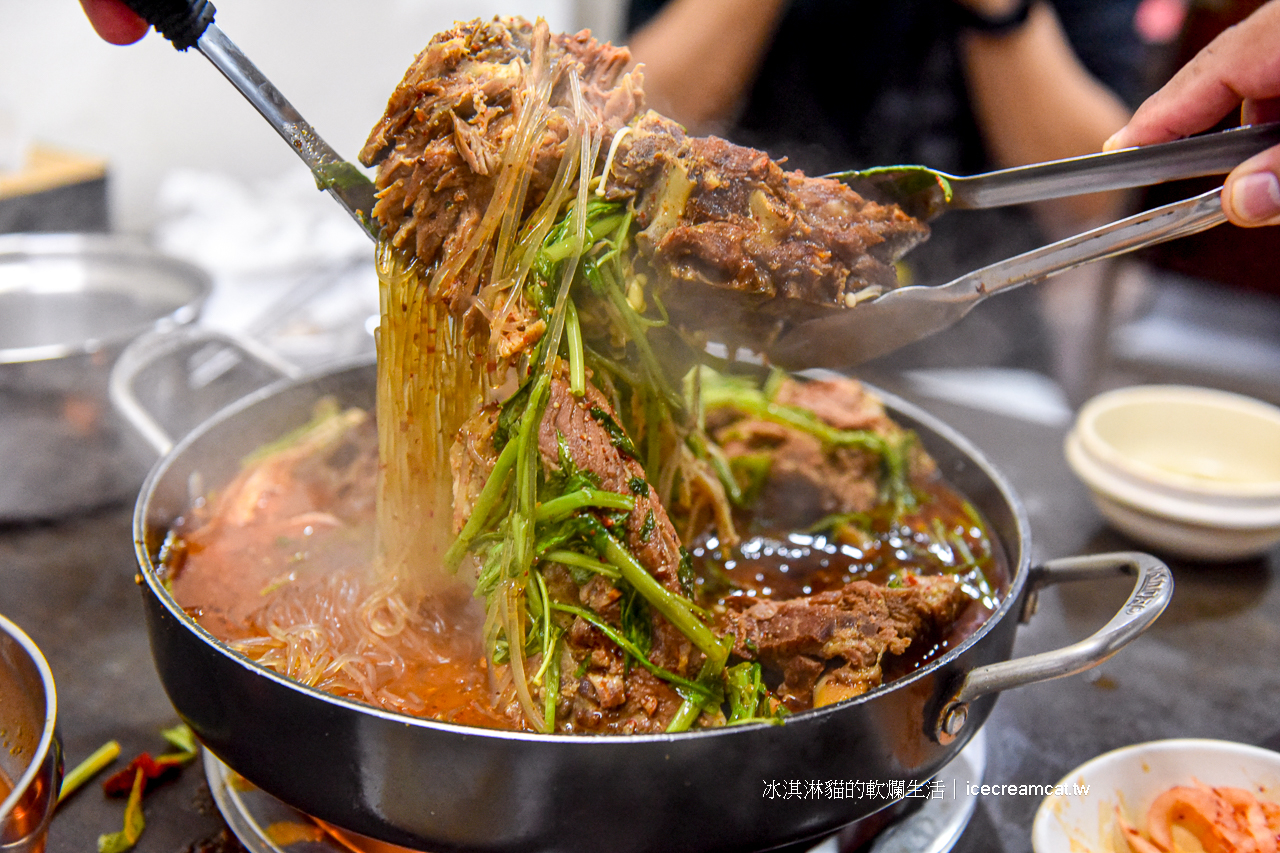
(289, 266)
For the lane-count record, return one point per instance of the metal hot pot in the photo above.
(442, 787)
(69, 304)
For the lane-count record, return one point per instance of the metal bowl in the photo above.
(69, 304)
(30, 752)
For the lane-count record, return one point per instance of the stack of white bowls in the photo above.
(1191, 472)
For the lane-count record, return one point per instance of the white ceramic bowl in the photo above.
(1192, 472)
(1132, 777)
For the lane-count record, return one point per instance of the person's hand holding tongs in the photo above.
(848, 337)
(1241, 67)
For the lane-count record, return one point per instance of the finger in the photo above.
(1259, 112)
(1241, 64)
(115, 22)
(1251, 194)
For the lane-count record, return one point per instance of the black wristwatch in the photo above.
(993, 26)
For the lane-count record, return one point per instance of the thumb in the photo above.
(1251, 194)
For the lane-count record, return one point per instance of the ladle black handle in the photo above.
(189, 23)
(180, 21)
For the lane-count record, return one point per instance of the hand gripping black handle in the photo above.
(180, 21)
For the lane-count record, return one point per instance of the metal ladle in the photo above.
(189, 23)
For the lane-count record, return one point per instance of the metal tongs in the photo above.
(845, 337)
(848, 337)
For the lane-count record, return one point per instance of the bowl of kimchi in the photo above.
(1182, 794)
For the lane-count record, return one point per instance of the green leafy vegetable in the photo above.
(646, 527)
(134, 822)
(87, 769)
(748, 696)
(617, 436)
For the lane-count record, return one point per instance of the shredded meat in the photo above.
(441, 140)
(738, 243)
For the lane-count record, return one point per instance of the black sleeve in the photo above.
(1103, 35)
(640, 11)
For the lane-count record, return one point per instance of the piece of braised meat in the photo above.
(736, 242)
(600, 690)
(830, 646)
(744, 245)
(807, 478)
(440, 145)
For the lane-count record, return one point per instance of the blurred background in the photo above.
(143, 141)
(148, 111)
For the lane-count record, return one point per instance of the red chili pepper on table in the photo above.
(153, 770)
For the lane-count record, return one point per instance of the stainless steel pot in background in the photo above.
(69, 304)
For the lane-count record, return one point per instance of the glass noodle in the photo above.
(545, 460)
(432, 375)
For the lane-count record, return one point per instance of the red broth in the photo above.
(290, 584)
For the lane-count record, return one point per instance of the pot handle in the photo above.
(1152, 591)
(203, 357)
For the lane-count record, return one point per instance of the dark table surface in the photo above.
(1206, 669)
